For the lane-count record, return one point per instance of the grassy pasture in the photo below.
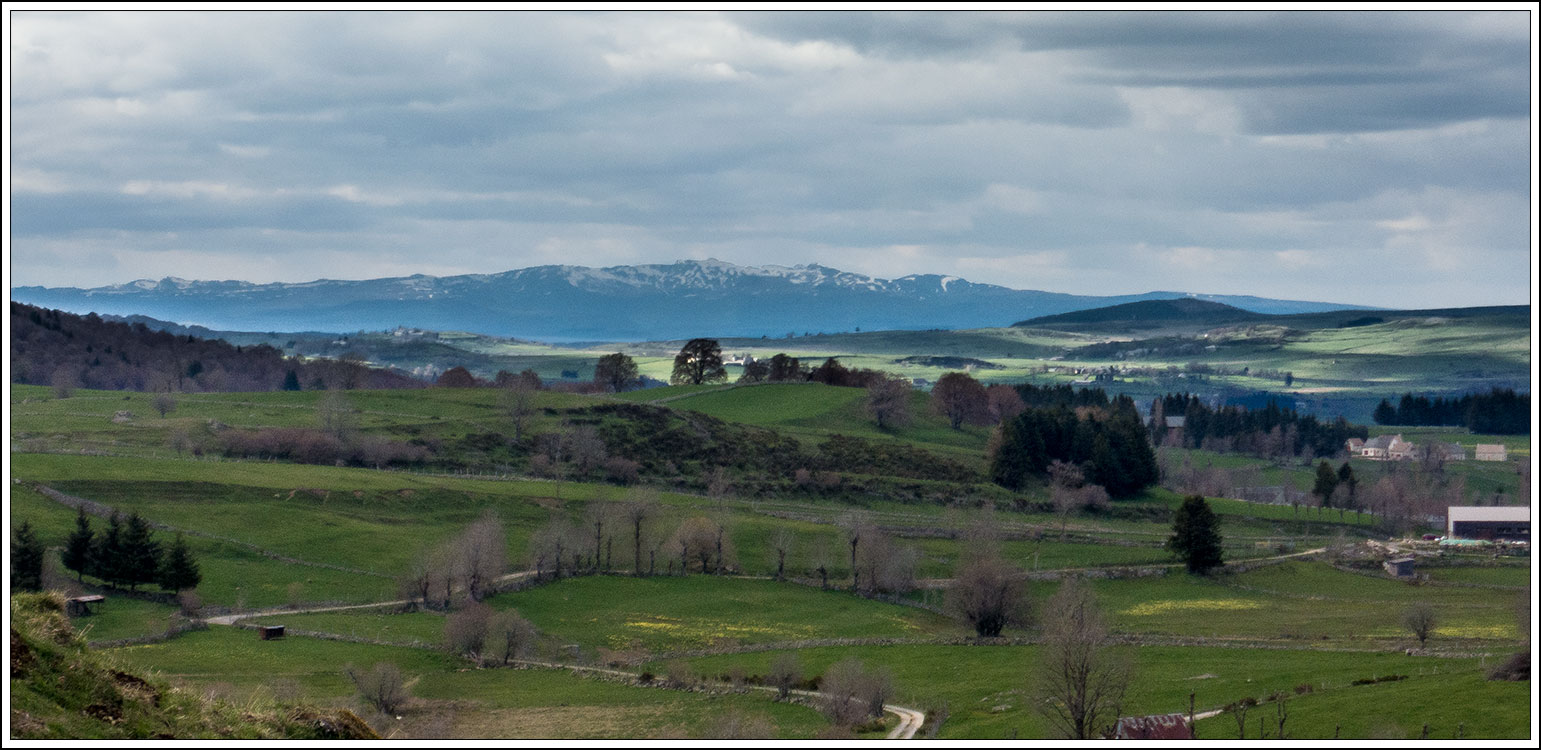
(448, 698)
(988, 690)
(1306, 603)
(673, 613)
(1454, 705)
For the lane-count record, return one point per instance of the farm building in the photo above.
(1486, 452)
(1401, 567)
(1355, 446)
(1494, 523)
(1448, 451)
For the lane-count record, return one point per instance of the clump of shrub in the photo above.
(1373, 680)
(1516, 669)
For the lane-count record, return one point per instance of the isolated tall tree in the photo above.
(164, 403)
(960, 398)
(26, 559)
(517, 400)
(1196, 535)
(382, 687)
(988, 593)
(77, 549)
(1326, 482)
(616, 372)
(334, 413)
(179, 572)
(781, 544)
(1347, 480)
(699, 361)
(1419, 620)
(888, 400)
(1082, 680)
(291, 381)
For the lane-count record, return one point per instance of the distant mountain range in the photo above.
(620, 303)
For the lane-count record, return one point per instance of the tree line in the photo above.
(1269, 431)
(66, 351)
(1500, 411)
(126, 554)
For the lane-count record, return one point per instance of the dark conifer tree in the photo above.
(26, 559)
(180, 571)
(1196, 535)
(141, 554)
(78, 548)
(1326, 482)
(107, 554)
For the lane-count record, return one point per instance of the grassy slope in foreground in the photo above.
(60, 689)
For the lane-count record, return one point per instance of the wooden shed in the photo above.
(270, 632)
(79, 606)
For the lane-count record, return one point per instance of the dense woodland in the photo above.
(67, 351)
(1498, 412)
(1270, 431)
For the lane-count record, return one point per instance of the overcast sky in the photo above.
(1375, 158)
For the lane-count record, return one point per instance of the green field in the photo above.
(988, 690)
(271, 534)
(448, 699)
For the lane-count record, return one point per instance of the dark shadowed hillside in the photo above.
(49, 347)
(1176, 311)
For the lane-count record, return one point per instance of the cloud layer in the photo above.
(1355, 157)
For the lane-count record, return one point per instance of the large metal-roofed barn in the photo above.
(1511, 523)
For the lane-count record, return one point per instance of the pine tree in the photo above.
(26, 559)
(1196, 535)
(1326, 482)
(141, 555)
(1347, 479)
(107, 553)
(180, 571)
(291, 381)
(78, 548)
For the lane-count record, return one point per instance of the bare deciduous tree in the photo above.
(517, 401)
(989, 594)
(336, 415)
(642, 506)
(164, 403)
(550, 545)
(786, 671)
(508, 636)
(465, 631)
(696, 539)
(850, 693)
(482, 555)
(382, 687)
(1082, 681)
(1419, 619)
(781, 544)
(888, 400)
